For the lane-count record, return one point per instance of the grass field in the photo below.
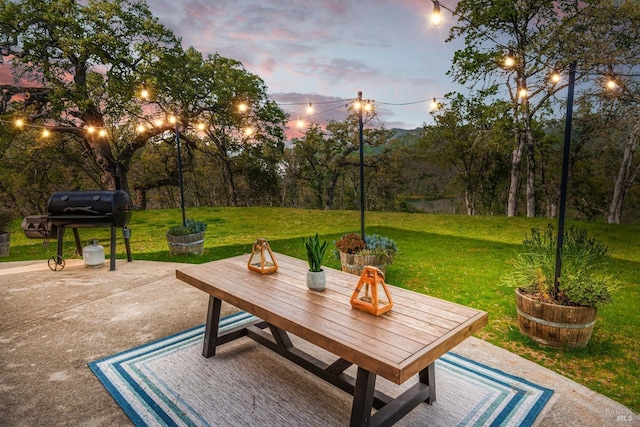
(457, 258)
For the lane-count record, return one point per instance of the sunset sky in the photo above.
(324, 51)
(328, 50)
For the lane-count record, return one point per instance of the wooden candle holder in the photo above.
(370, 280)
(267, 263)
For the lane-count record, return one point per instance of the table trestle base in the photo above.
(362, 388)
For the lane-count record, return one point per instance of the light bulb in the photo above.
(436, 16)
(523, 92)
(509, 60)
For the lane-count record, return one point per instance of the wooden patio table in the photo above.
(396, 345)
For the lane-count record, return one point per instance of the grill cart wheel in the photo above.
(56, 263)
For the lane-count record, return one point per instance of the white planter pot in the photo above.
(316, 280)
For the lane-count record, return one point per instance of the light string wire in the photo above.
(25, 124)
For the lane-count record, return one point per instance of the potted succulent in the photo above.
(355, 253)
(187, 239)
(316, 279)
(5, 222)
(560, 314)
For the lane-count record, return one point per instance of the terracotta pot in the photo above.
(554, 325)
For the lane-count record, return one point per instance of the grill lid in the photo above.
(116, 204)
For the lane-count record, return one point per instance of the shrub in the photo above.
(190, 227)
(583, 282)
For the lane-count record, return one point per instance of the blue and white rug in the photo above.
(169, 383)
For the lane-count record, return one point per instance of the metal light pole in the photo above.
(184, 218)
(360, 126)
(565, 173)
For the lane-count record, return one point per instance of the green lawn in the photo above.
(457, 258)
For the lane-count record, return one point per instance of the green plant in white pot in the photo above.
(316, 278)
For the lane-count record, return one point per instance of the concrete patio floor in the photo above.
(53, 323)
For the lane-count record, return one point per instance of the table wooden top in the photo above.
(396, 345)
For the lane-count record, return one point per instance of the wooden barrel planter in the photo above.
(5, 242)
(186, 244)
(554, 325)
(354, 264)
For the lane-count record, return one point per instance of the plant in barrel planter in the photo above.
(560, 314)
(316, 279)
(375, 250)
(188, 239)
(5, 222)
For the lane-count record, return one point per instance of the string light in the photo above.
(523, 93)
(436, 16)
(509, 60)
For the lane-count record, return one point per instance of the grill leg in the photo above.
(126, 233)
(112, 261)
(60, 238)
(76, 236)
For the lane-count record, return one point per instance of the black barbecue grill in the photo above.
(82, 209)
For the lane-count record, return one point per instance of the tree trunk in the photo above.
(531, 166)
(516, 161)
(625, 177)
(141, 198)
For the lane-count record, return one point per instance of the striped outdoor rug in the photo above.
(168, 382)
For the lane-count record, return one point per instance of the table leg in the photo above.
(211, 328)
(363, 398)
(428, 376)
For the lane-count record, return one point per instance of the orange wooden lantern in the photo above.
(267, 263)
(371, 279)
